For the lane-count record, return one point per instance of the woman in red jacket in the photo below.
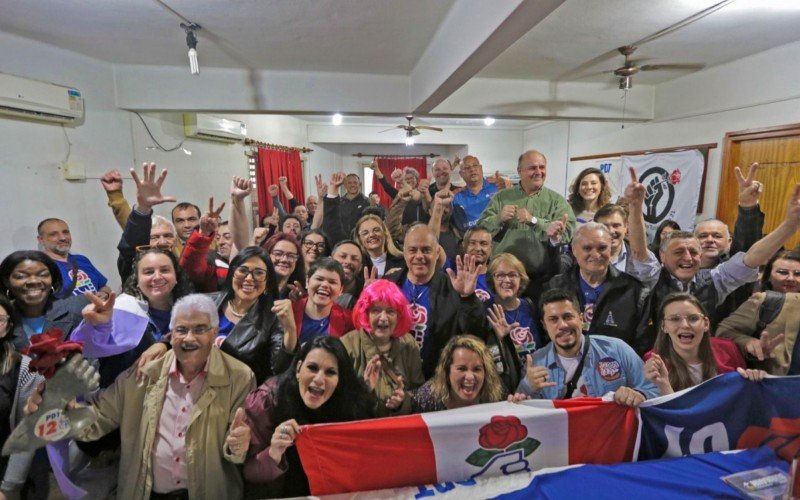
(685, 354)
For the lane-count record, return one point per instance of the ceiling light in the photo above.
(488, 121)
(625, 83)
(186, 151)
(191, 41)
(409, 138)
(336, 119)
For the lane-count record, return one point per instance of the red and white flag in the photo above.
(457, 445)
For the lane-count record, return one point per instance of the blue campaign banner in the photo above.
(725, 413)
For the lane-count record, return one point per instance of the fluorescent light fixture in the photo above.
(488, 121)
(336, 119)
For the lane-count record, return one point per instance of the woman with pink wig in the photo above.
(382, 353)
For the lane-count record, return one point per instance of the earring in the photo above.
(53, 289)
(8, 293)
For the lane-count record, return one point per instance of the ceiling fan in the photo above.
(630, 68)
(412, 130)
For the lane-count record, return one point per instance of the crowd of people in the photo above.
(224, 340)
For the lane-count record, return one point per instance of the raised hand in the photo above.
(322, 188)
(655, 370)
(273, 190)
(282, 180)
(556, 229)
(337, 179)
(443, 197)
(98, 311)
(372, 372)
(283, 311)
(282, 438)
(238, 440)
(764, 346)
(497, 318)
(240, 188)
(370, 275)
(397, 175)
(423, 184)
(209, 222)
(749, 189)
(793, 208)
(111, 180)
(296, 290)
(466, 276)
(259, 235)
(635, 192)
(148, 189)
(538, 377)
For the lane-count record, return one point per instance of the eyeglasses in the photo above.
(512, 276)
(258, 274)
(464, 166)
(278, 255)
(320, 247)
(182, 331)
(786, 273)
(677, 319)
(377, 231)
(4, 320)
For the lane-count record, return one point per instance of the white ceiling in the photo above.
(434, 47)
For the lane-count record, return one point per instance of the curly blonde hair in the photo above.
(492, 390)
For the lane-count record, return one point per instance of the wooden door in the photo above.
(777, 151)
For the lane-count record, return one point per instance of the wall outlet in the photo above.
(73, 171)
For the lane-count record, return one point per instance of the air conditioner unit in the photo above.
(212, 128)
(38, 100)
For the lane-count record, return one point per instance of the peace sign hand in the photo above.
(99, 311)
(764, 346)
(749, 189)
(209, 222)
(635, 192)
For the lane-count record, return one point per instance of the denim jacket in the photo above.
(610, 364)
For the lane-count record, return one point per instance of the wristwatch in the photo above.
(534, 220)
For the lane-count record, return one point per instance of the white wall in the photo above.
(552, 140)
(33, 187)
(753, 92)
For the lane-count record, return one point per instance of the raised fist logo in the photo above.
(659, 195)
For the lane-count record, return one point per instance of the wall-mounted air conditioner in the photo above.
(212, 128)
(38, 100)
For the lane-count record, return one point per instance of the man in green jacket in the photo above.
(530, 220)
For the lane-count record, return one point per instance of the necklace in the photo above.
(234, 311)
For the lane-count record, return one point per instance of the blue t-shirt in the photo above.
(159, 319)
(590, 296)
(526, 337)
(225, 327)
(472, 205)
(419, 300)
(89, 278)
(314, 327)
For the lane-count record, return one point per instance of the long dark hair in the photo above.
(351, 400)
(16, 258)
(8, 355)
(182, 284)
(299, 273)
(265, 301)
(679, 377)
(794, 255)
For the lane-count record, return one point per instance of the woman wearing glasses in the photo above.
(375, 241)
(513, 319)
(685, 352)
(284, 252)
(313, 245)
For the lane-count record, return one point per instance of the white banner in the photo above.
(673, 184)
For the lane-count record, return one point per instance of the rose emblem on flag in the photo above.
(675, 177)
(502, 435)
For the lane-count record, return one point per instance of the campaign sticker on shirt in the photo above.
(52, 426)
(483, 295)
(419, 322)
(609, 369)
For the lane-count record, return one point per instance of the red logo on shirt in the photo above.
(609, 369)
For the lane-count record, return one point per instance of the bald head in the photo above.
(532, 170)
(715, 240)
(420, 250)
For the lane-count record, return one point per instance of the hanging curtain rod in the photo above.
(361, 155)
(255, 143)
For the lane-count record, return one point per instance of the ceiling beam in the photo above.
(472, 35)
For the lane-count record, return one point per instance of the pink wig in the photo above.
(384, 292)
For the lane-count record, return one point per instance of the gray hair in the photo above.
(195, 303)
(590, 226)
(158, 220)
(727, 229)
(675, 235)
(409, 170)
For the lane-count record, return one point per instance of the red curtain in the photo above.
(387, 166)
(271, 165)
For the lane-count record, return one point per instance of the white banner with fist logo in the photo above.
(672, 181)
